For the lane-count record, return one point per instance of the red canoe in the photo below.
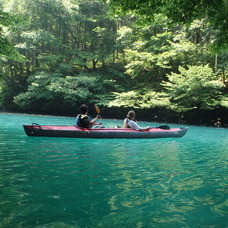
(75, 132)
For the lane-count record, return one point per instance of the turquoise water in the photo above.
(61, 182)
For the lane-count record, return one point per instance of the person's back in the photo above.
(130, 122)
(83, 120)
(130, 117)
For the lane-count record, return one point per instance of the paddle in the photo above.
(97, 109)
(98, 113)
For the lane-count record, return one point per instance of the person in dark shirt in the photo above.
(83, 120)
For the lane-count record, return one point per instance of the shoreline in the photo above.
(141, 119)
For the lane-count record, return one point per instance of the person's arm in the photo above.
(76, 120)
(125, 123)
(135, 126)
(93, 121)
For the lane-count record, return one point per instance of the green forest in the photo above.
(168, 60)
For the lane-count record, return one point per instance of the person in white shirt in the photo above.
(130, 122)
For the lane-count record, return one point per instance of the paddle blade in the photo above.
(97, 109)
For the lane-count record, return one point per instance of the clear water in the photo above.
(61, 182)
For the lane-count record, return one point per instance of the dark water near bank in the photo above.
(61, 182)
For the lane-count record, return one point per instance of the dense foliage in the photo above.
(57, 54)
(183, 11)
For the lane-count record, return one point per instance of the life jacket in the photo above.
(82, 121)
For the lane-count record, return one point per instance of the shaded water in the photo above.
(65, 182)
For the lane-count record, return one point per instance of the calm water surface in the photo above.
(61, 182)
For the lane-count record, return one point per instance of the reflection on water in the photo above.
(59, 182)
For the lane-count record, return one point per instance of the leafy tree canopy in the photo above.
(59, 93)
(4, 44)
(182, 11)
(78, 51)
(194, 87)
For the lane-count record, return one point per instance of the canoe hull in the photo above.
(74, 132)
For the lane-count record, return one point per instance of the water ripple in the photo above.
(110, 182)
